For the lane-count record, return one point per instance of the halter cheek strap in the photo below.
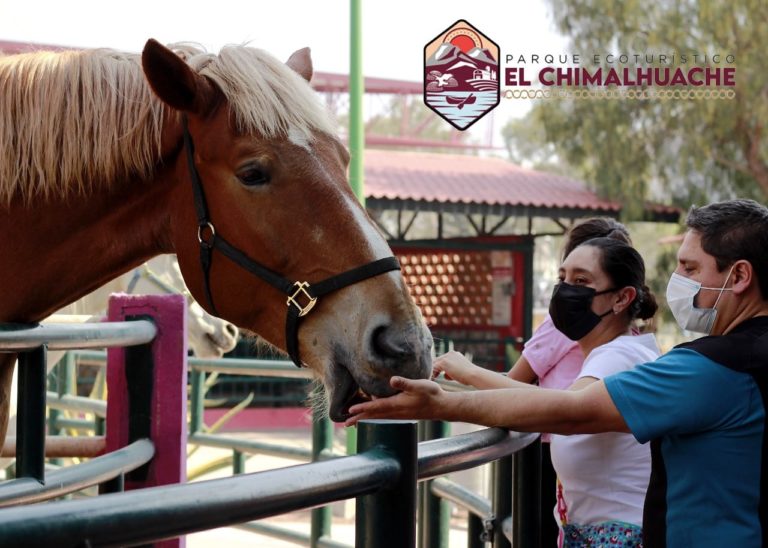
(302, 296)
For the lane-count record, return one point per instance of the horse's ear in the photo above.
(301, 61)
(173, 81)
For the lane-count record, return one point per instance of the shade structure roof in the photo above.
(472, 184)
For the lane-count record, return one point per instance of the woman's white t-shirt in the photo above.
(605, 476)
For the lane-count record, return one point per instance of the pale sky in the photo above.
(394, 31)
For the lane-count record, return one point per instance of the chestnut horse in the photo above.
(229, 161)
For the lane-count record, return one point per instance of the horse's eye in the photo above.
(253, 176)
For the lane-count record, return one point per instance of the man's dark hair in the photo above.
(734, 230)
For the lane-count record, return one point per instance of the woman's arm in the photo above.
(457, 367)
(522, 371)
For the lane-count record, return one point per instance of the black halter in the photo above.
(296, 291)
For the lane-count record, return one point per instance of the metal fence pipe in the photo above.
(30, 454)
(387, 517)
(250, 367)
(62, 446)
(74, 478)
(81, 425)
(440, 457)
(151, 514)
(234, 366)
(95, 358)
(463, 498)
(238, 462)
(477, 533)
(480, 519)
(322, 440)
(115, 485)
(251, 446)
(62, 387)
(67, 402)
(527, 497)
(434, 513)
(17, 338)
(502, 500)
(154, 513)
(196, 403)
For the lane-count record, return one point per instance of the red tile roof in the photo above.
(450, 178)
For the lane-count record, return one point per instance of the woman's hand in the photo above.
(455, 367)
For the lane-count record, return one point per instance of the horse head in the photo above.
(279, 221)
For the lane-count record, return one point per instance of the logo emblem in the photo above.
(461, 75)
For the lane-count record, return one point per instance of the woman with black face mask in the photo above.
(602, 477)
(554, 361)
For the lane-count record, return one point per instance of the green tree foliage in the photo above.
(526, 142)
(679, 151)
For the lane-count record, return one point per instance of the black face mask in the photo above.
(571, 309)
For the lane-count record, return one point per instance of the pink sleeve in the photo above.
(546, 347)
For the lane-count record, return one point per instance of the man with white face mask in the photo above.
(701, 405)
(681, 298)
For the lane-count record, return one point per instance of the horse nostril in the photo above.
(231, 330)
(388, 342)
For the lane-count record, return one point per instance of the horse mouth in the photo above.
(345, 393)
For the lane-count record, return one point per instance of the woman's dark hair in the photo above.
(734, 230)
(596, 227)
(626, 268)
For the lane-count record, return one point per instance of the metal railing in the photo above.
(60, 482)
(383, 474)
(134, 454)
(31, 342)
(482, 525)
(66, 336)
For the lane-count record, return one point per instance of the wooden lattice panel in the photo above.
(452, 288)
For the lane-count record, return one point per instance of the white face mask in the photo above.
(680, 294)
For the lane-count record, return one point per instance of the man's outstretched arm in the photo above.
(586, 411)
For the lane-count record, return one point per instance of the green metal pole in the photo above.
(475, 532)
(351, 432)
(238, 462)
(502, 501)
(197, 381)
(387, 518)
(434, 512)
(30, 420)
(322, 441)
(529, 245)
(356, 131)
(63, 386)
(527, 513)
(356, 91)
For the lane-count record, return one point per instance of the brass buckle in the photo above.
(301, 288)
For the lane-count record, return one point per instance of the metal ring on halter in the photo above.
(207, 243)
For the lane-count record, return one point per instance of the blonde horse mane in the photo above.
(76, 120)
